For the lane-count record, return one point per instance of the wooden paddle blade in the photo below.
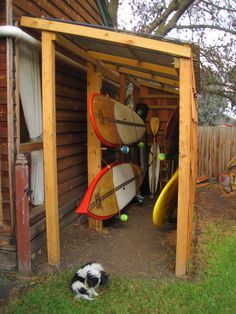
(154, 124)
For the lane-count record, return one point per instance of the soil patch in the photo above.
(135, 247)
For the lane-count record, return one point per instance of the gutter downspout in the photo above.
(16, 32)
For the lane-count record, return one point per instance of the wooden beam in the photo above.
(149, 76)
(94, 153)
(154, 86)
(193, 156)
(108, 36)
(158, 96)
(184, 190)
(168, 107)
(49, 147)
(70, 46)
(134, 63)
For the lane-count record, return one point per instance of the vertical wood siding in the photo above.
(71, 133)
(7, 240)
(216, 147)
(71, 97)
(5, 204)
(158, 107)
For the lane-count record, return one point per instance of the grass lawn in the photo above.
(213, 289)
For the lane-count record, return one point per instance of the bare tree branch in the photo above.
(218, 7)
(204, 26)
(160, 25)
(229, 96)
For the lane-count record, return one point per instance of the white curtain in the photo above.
(30, 93)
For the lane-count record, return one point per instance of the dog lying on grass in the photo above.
(87, 279)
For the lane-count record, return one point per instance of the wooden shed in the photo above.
(163, 74)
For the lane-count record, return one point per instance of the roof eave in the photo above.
(104, 13)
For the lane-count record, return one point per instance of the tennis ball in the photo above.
(123, 217)
(141, 145)
(162, 156)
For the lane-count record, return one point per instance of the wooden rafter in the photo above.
(154, 86)
(108, 36)
(134, 63)
(70, 46)
(145, 75)
(156, 96)
(166, 107)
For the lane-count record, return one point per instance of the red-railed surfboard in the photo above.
(111, 190)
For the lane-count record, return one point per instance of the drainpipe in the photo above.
(16, 32)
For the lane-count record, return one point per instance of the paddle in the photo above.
(154, 125)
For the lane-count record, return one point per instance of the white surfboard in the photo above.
(114, 123)
(111, 190)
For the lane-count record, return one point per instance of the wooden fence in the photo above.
(216, 147)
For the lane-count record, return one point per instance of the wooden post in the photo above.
(193, 154)
(184, 169)
(22, 214)
(49, 147)
(94, 82)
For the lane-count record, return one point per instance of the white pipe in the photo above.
(16, 32)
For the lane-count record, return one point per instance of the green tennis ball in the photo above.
(141, 145)
(123, 217)
(162, 156)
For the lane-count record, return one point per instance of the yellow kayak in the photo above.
(166, 202)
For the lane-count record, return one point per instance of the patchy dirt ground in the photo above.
(213, 203)
(136, 247)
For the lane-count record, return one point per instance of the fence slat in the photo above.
(216, 147)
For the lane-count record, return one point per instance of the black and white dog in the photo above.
(88, 278)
